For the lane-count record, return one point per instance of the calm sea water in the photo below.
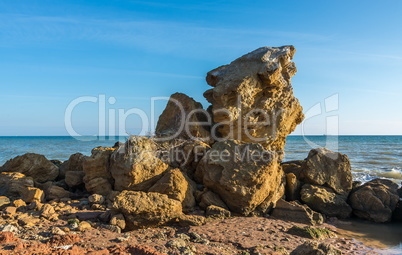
(371, 156)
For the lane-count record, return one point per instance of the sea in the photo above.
(370, 156)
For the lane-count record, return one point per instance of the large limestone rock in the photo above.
(97, 176)
(135, 166)
(14, 184)
(375, 200)
(183, 118)
(252, 98)
(243, 175)
(32, 165)
(327, 168)
(142, 210)
(326, 201)
(177, 186)
(74, 163)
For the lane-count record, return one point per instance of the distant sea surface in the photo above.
(370, 156)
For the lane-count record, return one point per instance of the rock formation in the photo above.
(244, 176)
(32, 165)
(375, 200)
(326, 201)
(97, 176)
(177, 186)
(142, 209)
(327, 168)
(252, 98)
(183, 118)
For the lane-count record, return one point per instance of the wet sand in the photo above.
(387, 237)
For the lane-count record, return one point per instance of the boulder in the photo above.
(177, 186)
(96, 168)
(74, 178)
(135, 166)
(217, 212)
(56, 192)
(252, 98)
(326, 201)
(208, 198)
(315, 248)
(142, 210)
(183, 118)
(32, 165)
(31, 194)
(375, 200)
(327, 168)
(4, 201)
(295, 212)
(74, 163)
(243, 175)
(14, 184)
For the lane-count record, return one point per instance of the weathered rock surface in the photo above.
(295, 212)
(252, 99)
(315, 248)
(326, 201)
(243, 175)
(56, 192)
(14, 184)
(292, 187)
(183, 118)
(217, 212)
(143, 210)
(74, 163)
(96, 168)
(183, 154)
(327, 168)
(375, 200)
(177, 186)
(135, 166)
(207, 198)
(30, 194)
(32, 165)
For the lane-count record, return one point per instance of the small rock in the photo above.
(96, 199)
(57, 231)
(123, 238)
(4, 201)
(118, 220)
(315, 248)
(191, 220)
(217, 212)
(176, 243)
(113, 228)
(19, 203)
(84, 225)
(10, 228)
(10, 210)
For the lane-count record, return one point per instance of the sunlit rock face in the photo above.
(252, 98)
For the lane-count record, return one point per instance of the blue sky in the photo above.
(52, 52)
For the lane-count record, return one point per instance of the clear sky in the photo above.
(52, 52)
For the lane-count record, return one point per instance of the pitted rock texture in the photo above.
(136, 166)
(252, 99)
(243, 175)
(183, 118)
